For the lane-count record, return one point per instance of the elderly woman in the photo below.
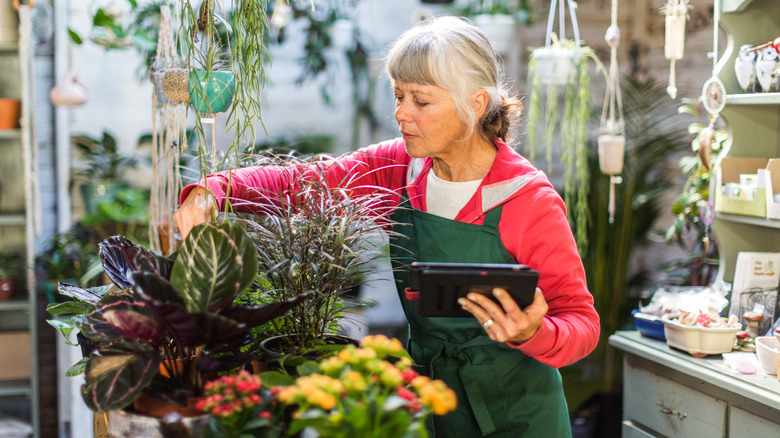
(472, 198)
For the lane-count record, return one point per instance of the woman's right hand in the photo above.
(195, 210)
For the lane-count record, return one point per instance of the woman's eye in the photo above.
(421, 104)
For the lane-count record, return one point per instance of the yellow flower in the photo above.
(438, 396)
(420, 381)
(354, 381)
(390, 375)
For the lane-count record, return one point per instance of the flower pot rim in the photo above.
(557, 52)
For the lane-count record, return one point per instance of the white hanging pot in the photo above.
(611, 151)
(342, 34)
(175, 84)
(68, 91)
(556, 65)
(674, 42)
(500, 30)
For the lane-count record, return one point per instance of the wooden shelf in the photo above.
(12, 219)
(14, 387)
(10, 133)
(9, 47)
(749, 220)
(753, 99)
(14, 305)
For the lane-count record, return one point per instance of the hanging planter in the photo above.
(612, 148)
(211, 91)
(500, 29)
(557, 65)
(68, 92)
(175, 85)
(559, 110)
(676, 12)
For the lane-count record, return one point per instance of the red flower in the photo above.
(266, 415)
(409, 375)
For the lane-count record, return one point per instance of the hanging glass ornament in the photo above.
(611, 140)
(676, 12)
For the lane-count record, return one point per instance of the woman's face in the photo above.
(428, 120)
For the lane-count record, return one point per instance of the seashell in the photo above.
(745, 69)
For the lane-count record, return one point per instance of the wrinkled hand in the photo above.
(195, 210)
(509, 322)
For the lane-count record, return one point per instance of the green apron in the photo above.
(501, 391)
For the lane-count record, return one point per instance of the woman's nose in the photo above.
(401, 113)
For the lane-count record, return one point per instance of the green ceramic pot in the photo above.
(211, 92)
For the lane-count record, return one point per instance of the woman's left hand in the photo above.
(507, 322)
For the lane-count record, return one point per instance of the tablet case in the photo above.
(441, 284)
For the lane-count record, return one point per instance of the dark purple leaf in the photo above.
(79, 293)
(121, 257)
(219, 329)
(152, 287)
(115, 375)
(253, 316)
(210, 364)
(135, 326)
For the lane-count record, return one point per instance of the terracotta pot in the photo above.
(150, 406)
(123, 424)
(9, 113)
(165, 239)
(6, 288)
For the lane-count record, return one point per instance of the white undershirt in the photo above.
(446, 198)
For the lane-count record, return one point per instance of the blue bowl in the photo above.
(649, 325)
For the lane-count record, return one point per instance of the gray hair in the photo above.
(453, 54)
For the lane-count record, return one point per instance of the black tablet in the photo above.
(441, 284)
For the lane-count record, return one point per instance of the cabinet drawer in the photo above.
(743, 423)
(669, 408)
(631, 430)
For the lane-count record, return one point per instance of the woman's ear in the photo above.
(479, 102)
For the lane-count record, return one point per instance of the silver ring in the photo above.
(487, 323)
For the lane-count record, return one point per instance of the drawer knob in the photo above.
(671, 411)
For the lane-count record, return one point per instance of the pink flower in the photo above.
(266, 415)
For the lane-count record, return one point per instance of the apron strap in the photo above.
(493, 216)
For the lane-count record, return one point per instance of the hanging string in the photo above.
(612, 113)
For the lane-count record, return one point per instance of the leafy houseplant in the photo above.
(370, 391)
(171, 323)
(653, 135)
(689, 232)
(9, 266)
(104, 164)
(316, 239)
(558, 114)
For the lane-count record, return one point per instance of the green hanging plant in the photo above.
(558, 115)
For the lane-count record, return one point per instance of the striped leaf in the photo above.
(215, 264)
(117, 374)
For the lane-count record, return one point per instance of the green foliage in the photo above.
(561, 123)
(700, 264)
(317, 239)
(520, 9)
(653, 131)
(101, 158)
(10, 262)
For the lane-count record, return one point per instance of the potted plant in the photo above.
(103, 166)
(9, 266)
(689, 231)
(315, 240)
(371, 391)
(170, 324)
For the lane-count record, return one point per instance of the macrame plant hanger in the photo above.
(676, 12)
(168, 139)
(550, 38)
(612, 140)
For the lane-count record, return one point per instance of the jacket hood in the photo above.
(510, 176)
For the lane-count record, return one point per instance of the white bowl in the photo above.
(767, 348)
(699, 340)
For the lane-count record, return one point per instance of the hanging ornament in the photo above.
(611, 140)
(68, 92)
(676, 12)
(713, 98)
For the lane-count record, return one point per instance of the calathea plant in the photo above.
(171, 322)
